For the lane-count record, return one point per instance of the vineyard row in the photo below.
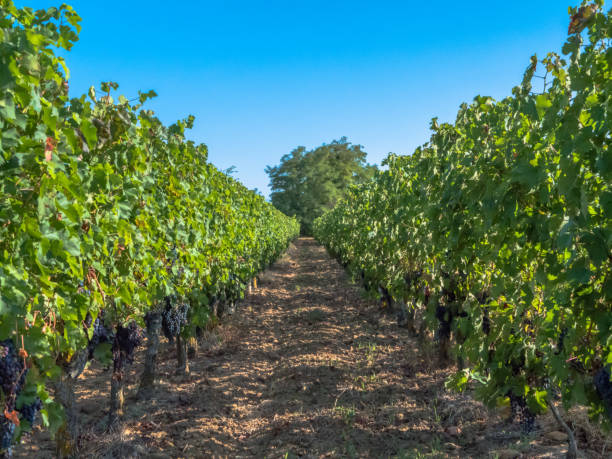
(110, 221)
(494, 238)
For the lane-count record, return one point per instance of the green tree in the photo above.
(307, 183)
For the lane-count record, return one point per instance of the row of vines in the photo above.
(110, 222)
(495, 237)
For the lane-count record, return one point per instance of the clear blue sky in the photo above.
(264, 77)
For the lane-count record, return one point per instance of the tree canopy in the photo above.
(307, 183)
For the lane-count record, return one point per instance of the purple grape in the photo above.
(602, 383)
(12, 373)
(29, 412)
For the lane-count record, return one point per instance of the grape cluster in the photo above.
(7, 430)
(561, 340)
(520, 412)
(88, 320)
(12, 372)
(602, 383)
(12, 380)
(101, 334)
(127, 339)
(174, 317)
(28, 412)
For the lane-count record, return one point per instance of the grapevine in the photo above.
(104, 212)
(497, 232)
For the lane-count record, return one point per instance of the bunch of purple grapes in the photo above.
(174, 318)
(602, 383)
(12, 380)
(101, 334)
(127, 339)
(12, 372)
(7, 430)
(28, 412)
(521, 413)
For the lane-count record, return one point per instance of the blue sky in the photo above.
(264, 77)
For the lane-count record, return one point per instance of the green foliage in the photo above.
(102, 207)
(307, 183)
(502, 225)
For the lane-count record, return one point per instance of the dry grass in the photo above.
(306, 368)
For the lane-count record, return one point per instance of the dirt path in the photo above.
(306, 367)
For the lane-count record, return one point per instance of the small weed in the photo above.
(365, 381)
(370, 351)
(347, 413)
(436, 416)
(436, 445)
